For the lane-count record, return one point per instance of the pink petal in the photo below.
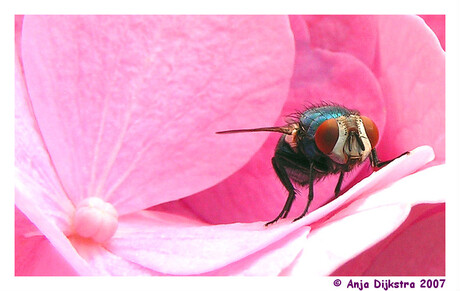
(104, 263)
(34, 254)
(129, 106)
(254, 193)
(35, 176)
(414, 189)
(270, 261)
(335, 242)
(172, 245)
(437, 23)
(403, 256)
(38, 192)
(352, 34)
(417, 248)
(412, 76)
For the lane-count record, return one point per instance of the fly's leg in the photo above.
(339, 185)
(310, 191)
(284, 178)
(376, 163)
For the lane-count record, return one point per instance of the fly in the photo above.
(323, 140)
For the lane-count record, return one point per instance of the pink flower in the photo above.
(116, 115)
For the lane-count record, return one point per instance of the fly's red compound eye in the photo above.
(327, 135)
(371, 130)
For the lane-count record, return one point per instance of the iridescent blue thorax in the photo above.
(310, 120)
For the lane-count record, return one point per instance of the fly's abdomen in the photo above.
(310, 120)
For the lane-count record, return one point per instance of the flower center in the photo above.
(95, 219)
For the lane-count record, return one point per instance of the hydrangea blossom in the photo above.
(118, 169)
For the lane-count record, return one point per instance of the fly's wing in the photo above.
(288, 129)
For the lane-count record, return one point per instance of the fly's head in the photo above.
(347, 139)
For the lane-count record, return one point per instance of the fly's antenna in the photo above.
(286, 129)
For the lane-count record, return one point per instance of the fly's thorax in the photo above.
(345, 139)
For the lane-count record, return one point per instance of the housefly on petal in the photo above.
(321, 141)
